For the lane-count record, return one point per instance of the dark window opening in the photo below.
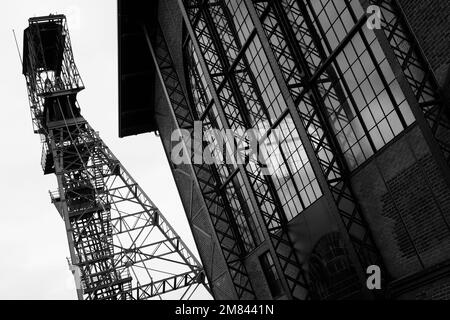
(270, 272)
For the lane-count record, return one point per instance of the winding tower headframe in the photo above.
(121, 246)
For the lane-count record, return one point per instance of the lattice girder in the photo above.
(119, 241)
(229, 69)
(207, 175)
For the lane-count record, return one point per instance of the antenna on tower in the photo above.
(17, 46)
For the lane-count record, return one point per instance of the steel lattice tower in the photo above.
(121, 246)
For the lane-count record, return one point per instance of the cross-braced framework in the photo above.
(216, 187)
(227, 95)
(417, 72)
(343, 89)
(303, 61)
(121, 245)
(316, 45)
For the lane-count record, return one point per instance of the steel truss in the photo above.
(210, 181)
(305, 68)
(417, 72)
(120, 243)
(229, 70)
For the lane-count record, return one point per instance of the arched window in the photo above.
(332, 275)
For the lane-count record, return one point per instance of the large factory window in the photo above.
(364, 102)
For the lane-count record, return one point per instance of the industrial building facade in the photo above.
(357, 91)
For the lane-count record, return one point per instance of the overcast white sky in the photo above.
(33, 245)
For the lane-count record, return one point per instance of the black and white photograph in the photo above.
(225, 158)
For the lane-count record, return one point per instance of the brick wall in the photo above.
(438, 290)
(430, 21)
(407, 204)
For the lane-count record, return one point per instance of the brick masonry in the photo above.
(430, 21)
(407, 204)
(438, 290)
